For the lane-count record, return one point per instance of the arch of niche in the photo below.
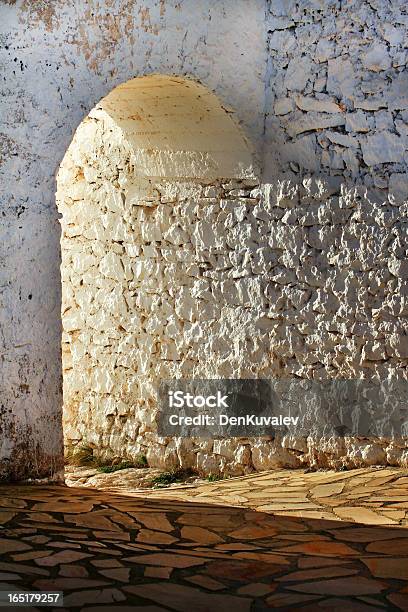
(145, 190)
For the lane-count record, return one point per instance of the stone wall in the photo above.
(337, 112)
(157, 278)
(58, 59)
(337, 92)
(167, 279)
(322, 94)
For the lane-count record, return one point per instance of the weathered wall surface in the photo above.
(197, 279)
(337, 92)
(154, 288)
(152, 283)
(169, 278)
(337, 110)
(328, 85)
(58, 59)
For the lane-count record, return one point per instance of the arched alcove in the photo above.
(153, 176)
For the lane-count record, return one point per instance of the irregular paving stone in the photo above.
(35, 554)
(185, 599)
(22, 569)
(362, 515)
(352, 585)
(157, 521)
(214, 521)
(307, 562)
(6, 516)
(267, 556)
(106, 563)
(371, 601)
(6, 576)
(41, 517)
(385, 567)
(202, 552)
(154, 537)
(256, 589)
(112, 535)
(64, 506)
(37, 539)
(199, 534)
(67, 584)
(397, 546)
(134, 547)
(307, 514)
(395, 515)
(367, 534)
(73, 571)
(236, 546)
(206, 582)
(286, 600)
(328, 572)
(12, 546)
(326, 490)
(325, 549)
(123, 519)
(249, 532)
(101, 596)
(64, 545)
(9, 502)
(339, 605)
(167, 560)
(158, 572)
(119, 574)
(93, 520)
(296, 537)
(65, 556)
(399, 600)
(241, 570)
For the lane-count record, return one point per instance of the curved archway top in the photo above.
(177, 128)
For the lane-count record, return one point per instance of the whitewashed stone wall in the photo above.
(229, 279)
(337, 92)
(322, 93)
(337, 111)
(58, 59)
(157, 284)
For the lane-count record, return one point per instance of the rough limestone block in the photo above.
(111, 267)
(398, 187)
(376, 58)
(382, 147)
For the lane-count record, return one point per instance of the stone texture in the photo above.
(399, 187)
(258, 559)
(353, 59)
(300, 273)
(382, 148)
(323, 96)
(45, 101)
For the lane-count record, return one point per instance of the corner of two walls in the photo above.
(307, 273)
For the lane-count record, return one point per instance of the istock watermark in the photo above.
(179, 399)
(252, 408)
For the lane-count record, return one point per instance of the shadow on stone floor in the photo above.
(116, 552)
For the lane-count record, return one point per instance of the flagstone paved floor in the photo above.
(280, 540)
